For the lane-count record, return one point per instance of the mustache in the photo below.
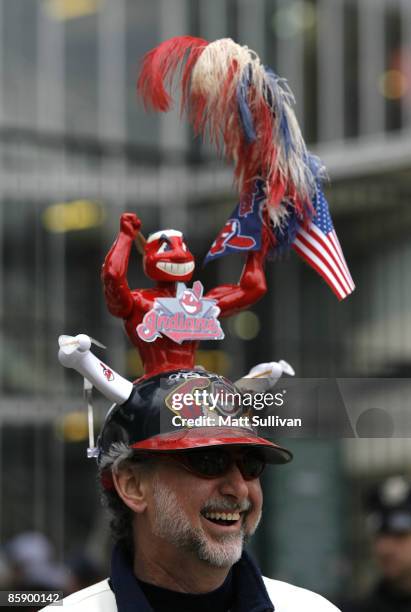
(215, 504)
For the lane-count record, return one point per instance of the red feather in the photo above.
(159, 68)
(186, 77)
(218, 117)
(198, 113)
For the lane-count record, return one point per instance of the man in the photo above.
(184, 502)
(389, 520)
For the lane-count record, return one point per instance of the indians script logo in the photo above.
(188, 316)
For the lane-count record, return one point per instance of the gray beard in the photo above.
(174, 526)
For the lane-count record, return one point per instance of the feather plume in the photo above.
(246, 110)
(159, 68)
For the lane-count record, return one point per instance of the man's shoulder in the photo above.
(288, 598)
(96, 598)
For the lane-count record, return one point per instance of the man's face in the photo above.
(209, 518)
(393, 555)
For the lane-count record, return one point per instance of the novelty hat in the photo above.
(185, 409)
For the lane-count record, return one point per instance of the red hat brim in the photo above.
(201, 437)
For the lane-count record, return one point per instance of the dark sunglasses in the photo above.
(216, 462)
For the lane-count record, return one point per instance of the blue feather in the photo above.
(276, 103)
(316, 167)
(243, 108)
(285, 133)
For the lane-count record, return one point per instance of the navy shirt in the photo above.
(164, 600)
(242, 591)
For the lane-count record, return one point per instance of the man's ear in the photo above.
(130, 487)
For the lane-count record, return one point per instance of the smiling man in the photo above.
(184, 501)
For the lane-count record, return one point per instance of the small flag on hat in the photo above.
(319, 246)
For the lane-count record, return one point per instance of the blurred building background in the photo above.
(76, 149)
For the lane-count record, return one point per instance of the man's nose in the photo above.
(233, 483)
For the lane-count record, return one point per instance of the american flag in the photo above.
(319, 246)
